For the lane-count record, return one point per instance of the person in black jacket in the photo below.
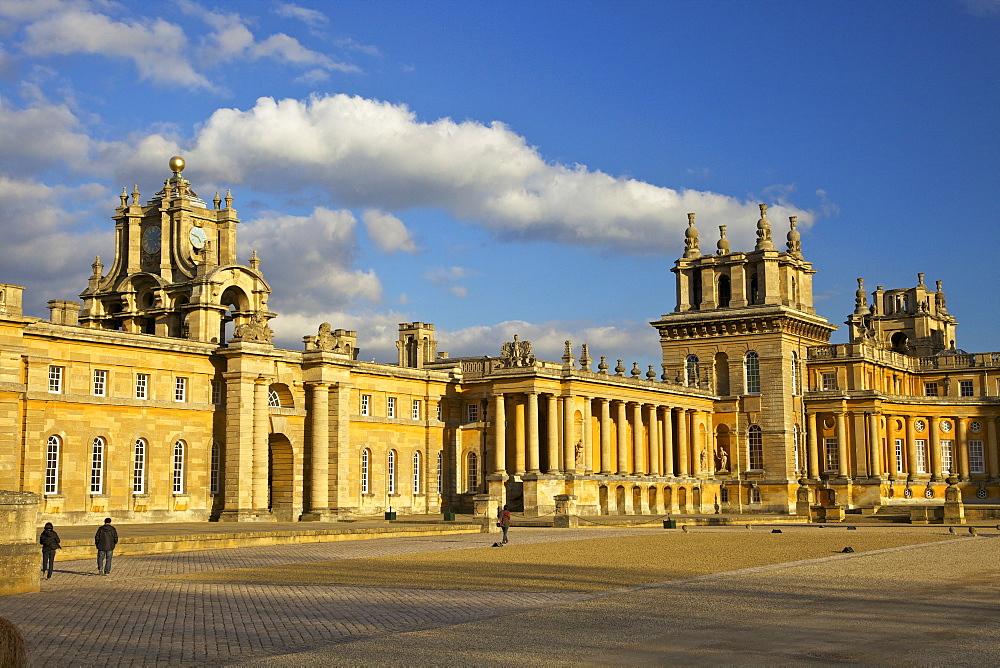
(50, 543)
(105, 539)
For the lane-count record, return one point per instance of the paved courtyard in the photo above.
(555, 596)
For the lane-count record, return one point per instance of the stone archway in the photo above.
(682, 500)
(696, 500)
(653, 506)
(636, 501)
(603, 499)
(620, 499)
(280, 477)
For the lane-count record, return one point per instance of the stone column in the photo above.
(319, 498)
(621, 422)
(654, 440)
(638, 465)
(533, 441)
(552, 403)
(845, 468)
(499, 435)
(518, 437)
(813, 445)
(992, 455)
(668, 441)
(682, 443)
(588, 437)
(605, 436)
(911, 448)
(933, 424)
(569, 446)
(962, 448)
(874, 446)
(261, 427)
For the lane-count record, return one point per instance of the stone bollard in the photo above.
(484, 510)
(565, 517)
(973, 532)
(20, 554)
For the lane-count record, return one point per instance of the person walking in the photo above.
(50, 543)
(504, 522)
(105, 539)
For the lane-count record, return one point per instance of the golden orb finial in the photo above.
(176, 164)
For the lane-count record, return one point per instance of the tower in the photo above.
(912, 321)
(416, 345)
(175, 271)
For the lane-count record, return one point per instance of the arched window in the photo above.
(97, 467)
(215, 481)
(273, 400)
(751, 367)
(391, 472)
(691, 371)
(755, 495)
(898, 342)
(139, 468)
(725, 292)
(52, 465)
(365, 479)
(440, 474)
(723, 494)
(472, 472)
(416, 473)
(755, 445)
(179, 467)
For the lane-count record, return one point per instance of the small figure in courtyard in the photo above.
(105, 539)
(504, 523)
(49, 541)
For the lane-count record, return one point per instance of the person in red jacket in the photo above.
(504, 517)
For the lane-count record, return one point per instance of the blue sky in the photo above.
(516, 167)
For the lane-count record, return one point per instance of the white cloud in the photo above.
(447, 278)
(388, 232)
(310, 17)
(42, 136)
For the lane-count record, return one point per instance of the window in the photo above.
(691, 371)
(755, 445)
(416, 409)
(755, 494)
(391, 472)
(899, 455)
(52, 463)
(366, 402)
(472, 472)
(365, 479)
(965, 388)
(723, 494)
(179, 467)
(930, 389)
(977, 462)
(416, 473)
(796, 390)
(390, 408)
(100, 383)
(947, 455)
(829, 380)
(55, 379)
(472, 410)
(832, 454)
(139, 468)
(751, 366)
(440, 474)
(142, 386)
(97, 467)
(921, 455)
(215, 480)
(439, 411)
(180, 389)
(218, 395)
(273, 400)
(796, 446)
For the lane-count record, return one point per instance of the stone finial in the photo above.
(920, 279)
(98, 267)
(603, 366)
(650, 375)
(585, 357)
(217, 201)
(124, 197)
(722, 245)
(636, 372)
(794, 243)
(942, 303)
(764, 231)
(567, 357)
(135, 193)
(229, 198)
(620, 369)
(664, 376)
(254, 261)
(691, 248)
(861, 299)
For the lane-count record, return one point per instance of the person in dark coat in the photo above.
(105, 539)
(50, 543)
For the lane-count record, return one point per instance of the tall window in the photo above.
(755, 446)
(180, 389)
(472, 411)
(391, 473)
(751, 365)
(366, 404)
(977, 463)
(797, 446)
(930, 389)
(921, 455)
(796, 390)
(365, 474)
(723, 494)
(97, 467)
(218, 393)
(725, 292)
(215, 481)
(439, 411)
(965, 388)
(142, 386)
(55, 379)
(52, 464)
(179, 467)
(416, 473)
(947, 455)
(100, 382)
(390, 408)
(691, 371)
(472, 472)
(416, 409)
(832, 454)
(899, 455)
(139, 468)
(440, 474)
(755, 494)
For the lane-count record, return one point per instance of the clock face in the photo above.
(198, 237)
(151, 239)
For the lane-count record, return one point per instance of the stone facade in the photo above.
(161, 397)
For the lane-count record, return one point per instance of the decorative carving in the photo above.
(256, 330)
(721, 461)
(794, 243)
(585, 357)
(691, 248)
(764, 231)
(516, 353)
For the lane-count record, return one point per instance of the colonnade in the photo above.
(880, 458)
(664, 440)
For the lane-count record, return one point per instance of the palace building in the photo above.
(160, 397)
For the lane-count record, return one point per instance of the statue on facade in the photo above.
(516, 353)
(722, 460)
(256, 330)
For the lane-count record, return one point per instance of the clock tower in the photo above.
(175, 271)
